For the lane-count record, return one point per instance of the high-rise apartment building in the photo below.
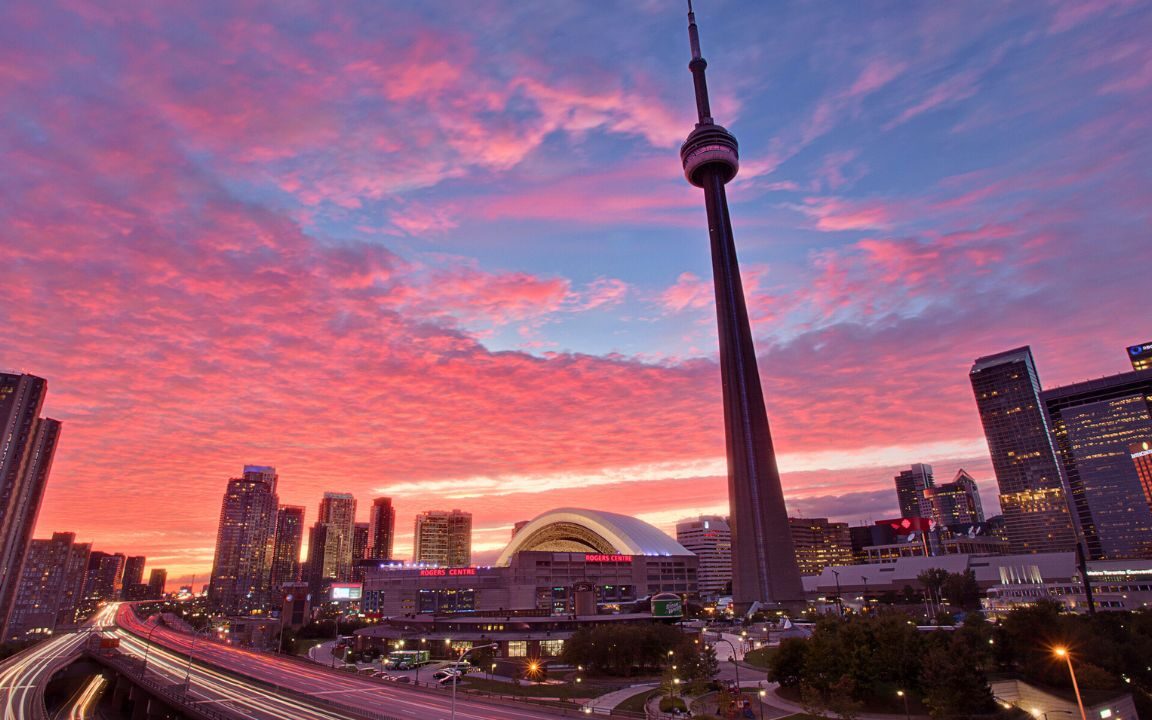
(820, 544)
(360, 541)
(1094, 423)
(72, 602)
(338, 519)
(910, 487)
(955, 503)
(1141, 356)
(103, 580)
(1037, 517)
(444, 538)
(27, 445)
(709, 537)
(133, 580)
(382, 529)
(286, 553)
(245, 541)
(48, 585)
(157, 579)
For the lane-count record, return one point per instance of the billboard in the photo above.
(667, 605)
(347, 592)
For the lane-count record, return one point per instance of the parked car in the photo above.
(449, 679)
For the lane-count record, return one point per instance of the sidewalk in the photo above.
(774, 698)
(607, 702)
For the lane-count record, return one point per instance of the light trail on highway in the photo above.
(331, 690)
(23, 676)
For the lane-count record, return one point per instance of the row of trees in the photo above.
(862, 661)
(626, 650)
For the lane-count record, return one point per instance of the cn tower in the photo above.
(763, 557)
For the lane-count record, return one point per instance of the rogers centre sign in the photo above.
(607, 558)
(447, 572)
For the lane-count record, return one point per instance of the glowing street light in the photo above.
(1063, 653)
(460, 671)
(904, 695)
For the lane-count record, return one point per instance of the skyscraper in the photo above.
(382, 529)
(44, 586)
(104, 574)
(76, 572)
(444, 538)
(709, 538)
(359, 541)
(1094, 423)
(1141, 356)
(1037, 517)
(910, 487)
(763, 559)
(133, 580)
(244, 542)
(157, 579)
(955, 503)
(332, 538)
(286, 554)
(27, 445)
(820, 544)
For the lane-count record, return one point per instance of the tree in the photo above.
(786, 665)
(953, 682)
(961, 590)
(933, 579)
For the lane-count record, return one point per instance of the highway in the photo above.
(328, 691)
(24, 676)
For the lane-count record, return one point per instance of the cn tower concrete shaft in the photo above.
(764, 565)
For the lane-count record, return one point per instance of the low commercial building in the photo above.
(565, 568)
(1006, 580)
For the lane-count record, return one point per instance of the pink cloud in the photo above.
(837, 214)
(689, 293)
(877, 73)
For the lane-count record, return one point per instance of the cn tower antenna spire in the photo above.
(764, 568)
(697, 65)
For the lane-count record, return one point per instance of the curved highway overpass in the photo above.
(288, 689)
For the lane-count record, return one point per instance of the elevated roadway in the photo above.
(288, 689)
(24, 676)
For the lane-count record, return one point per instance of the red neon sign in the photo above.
(447, 572)
(593, 558)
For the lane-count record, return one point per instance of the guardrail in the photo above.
(474, 696)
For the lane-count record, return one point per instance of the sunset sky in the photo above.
(443, 251)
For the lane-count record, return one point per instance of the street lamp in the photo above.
(1063, 653)
(459, 672)
(763, 693)
(423, 642)
(147, 647)
(902, 694)
(734, 663)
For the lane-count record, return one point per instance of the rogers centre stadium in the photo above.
(565, 561)
(566, 568)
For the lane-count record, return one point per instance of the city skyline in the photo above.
(509, 310)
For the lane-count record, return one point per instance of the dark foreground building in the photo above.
(27, 445)
(1094, 424)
